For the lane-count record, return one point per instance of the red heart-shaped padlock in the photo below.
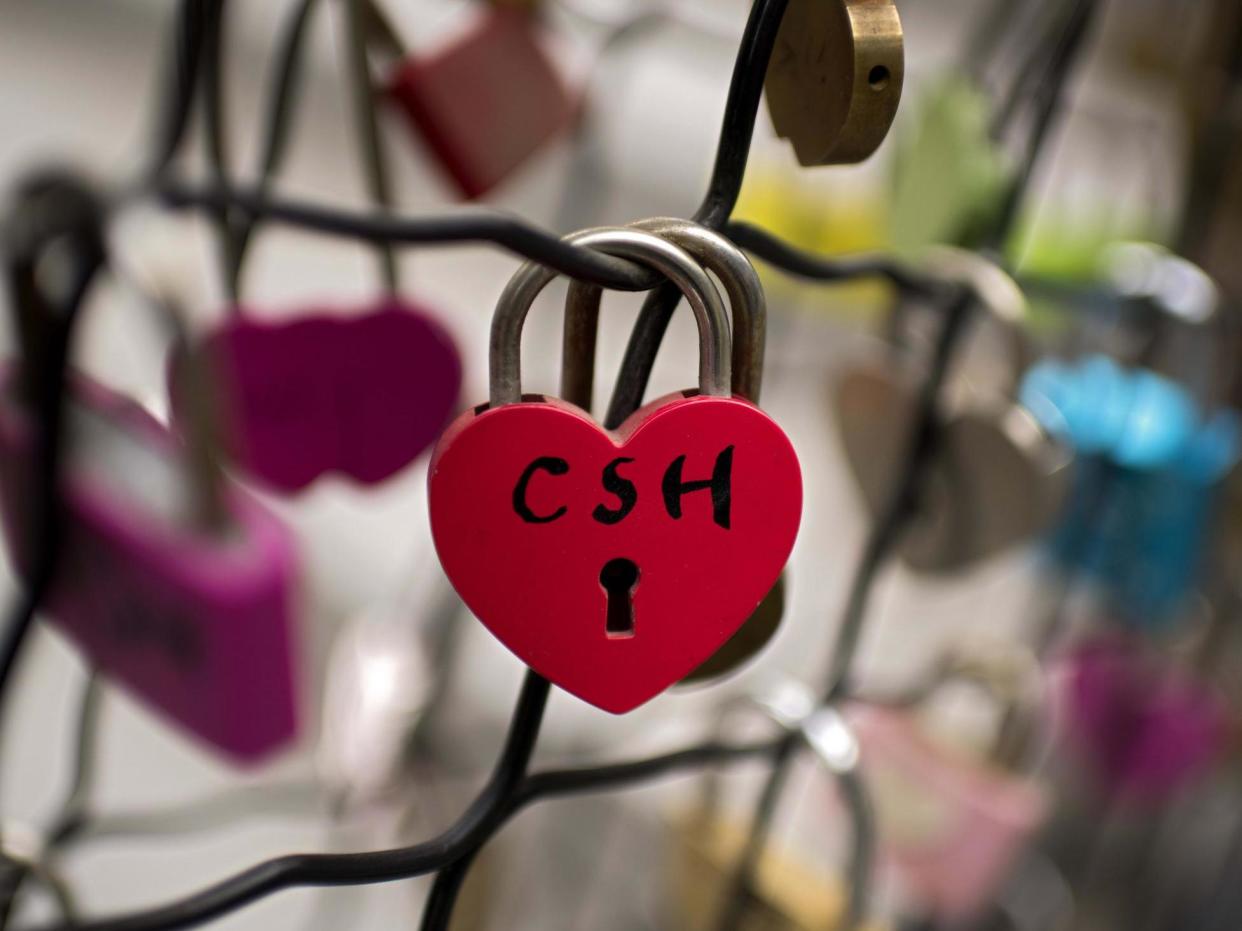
(613, 563)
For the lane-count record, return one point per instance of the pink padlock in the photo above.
(953, 826)
(195, 621)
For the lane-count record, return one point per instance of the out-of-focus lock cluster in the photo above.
(909, 603)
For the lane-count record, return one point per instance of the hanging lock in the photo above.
(998, 477)
(954, 824)
(614, 562)
(789, 892)
(749, 307)
(358, 395)
(487, 101)
(1144, 728)
(175, 584)
(835, 78)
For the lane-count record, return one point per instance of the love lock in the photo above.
(330, 393)
(835, 78)
(174, 583)
(749, 307)
(601, 558)
(998, 477)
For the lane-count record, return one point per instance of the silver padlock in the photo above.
(998, 477)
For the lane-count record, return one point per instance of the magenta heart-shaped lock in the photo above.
(358, 395)
(614, 563)
(1144, 729)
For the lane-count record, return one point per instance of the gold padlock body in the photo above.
(789, 894)
(835, 78)
(750, 638)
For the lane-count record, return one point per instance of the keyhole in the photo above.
(619, 577)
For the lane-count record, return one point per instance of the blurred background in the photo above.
(1103, 619)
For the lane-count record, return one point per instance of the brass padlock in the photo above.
(835, 78)
(998, 479)
(750, 638)
(787, 892)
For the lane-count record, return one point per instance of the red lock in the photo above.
(614, 562)
(486, 102)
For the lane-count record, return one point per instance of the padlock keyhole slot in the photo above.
(619, 578)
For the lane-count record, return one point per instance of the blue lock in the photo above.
(1149, 471)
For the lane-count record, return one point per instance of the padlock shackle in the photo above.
(1008, 676)
(715, 341)
(719, 256)
(994, 290)
(822, 729)
(1185, 295)
(59, 212)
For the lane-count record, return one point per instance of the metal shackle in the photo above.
(995, 291)
(823, 729)
(719, 256)
(1182, 293)
(60, 213)
(715, 368)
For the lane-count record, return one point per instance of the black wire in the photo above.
(732, 153)
(733, 907)
(370, 146)
(73, 809)
(462, 226)
(281, 103)
(48, 211)
(179, 81)
(773, 250)
(384, 866)
(215, 140)
(1049, 101)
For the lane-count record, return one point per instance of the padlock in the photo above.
(175, 584)
(614, 562)
(786, 892)
(487, 101)
(998, 477)
(953, 823)
(749, 308)
(835, 78)
(1144, 728)
(362, 395)
(1150, 472)
(1154, 450)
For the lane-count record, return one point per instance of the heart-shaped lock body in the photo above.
(615, 562)
(487, 101)
(198, 624)
(362, 396)
(998, 476)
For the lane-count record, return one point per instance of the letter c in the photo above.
(552, 466)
